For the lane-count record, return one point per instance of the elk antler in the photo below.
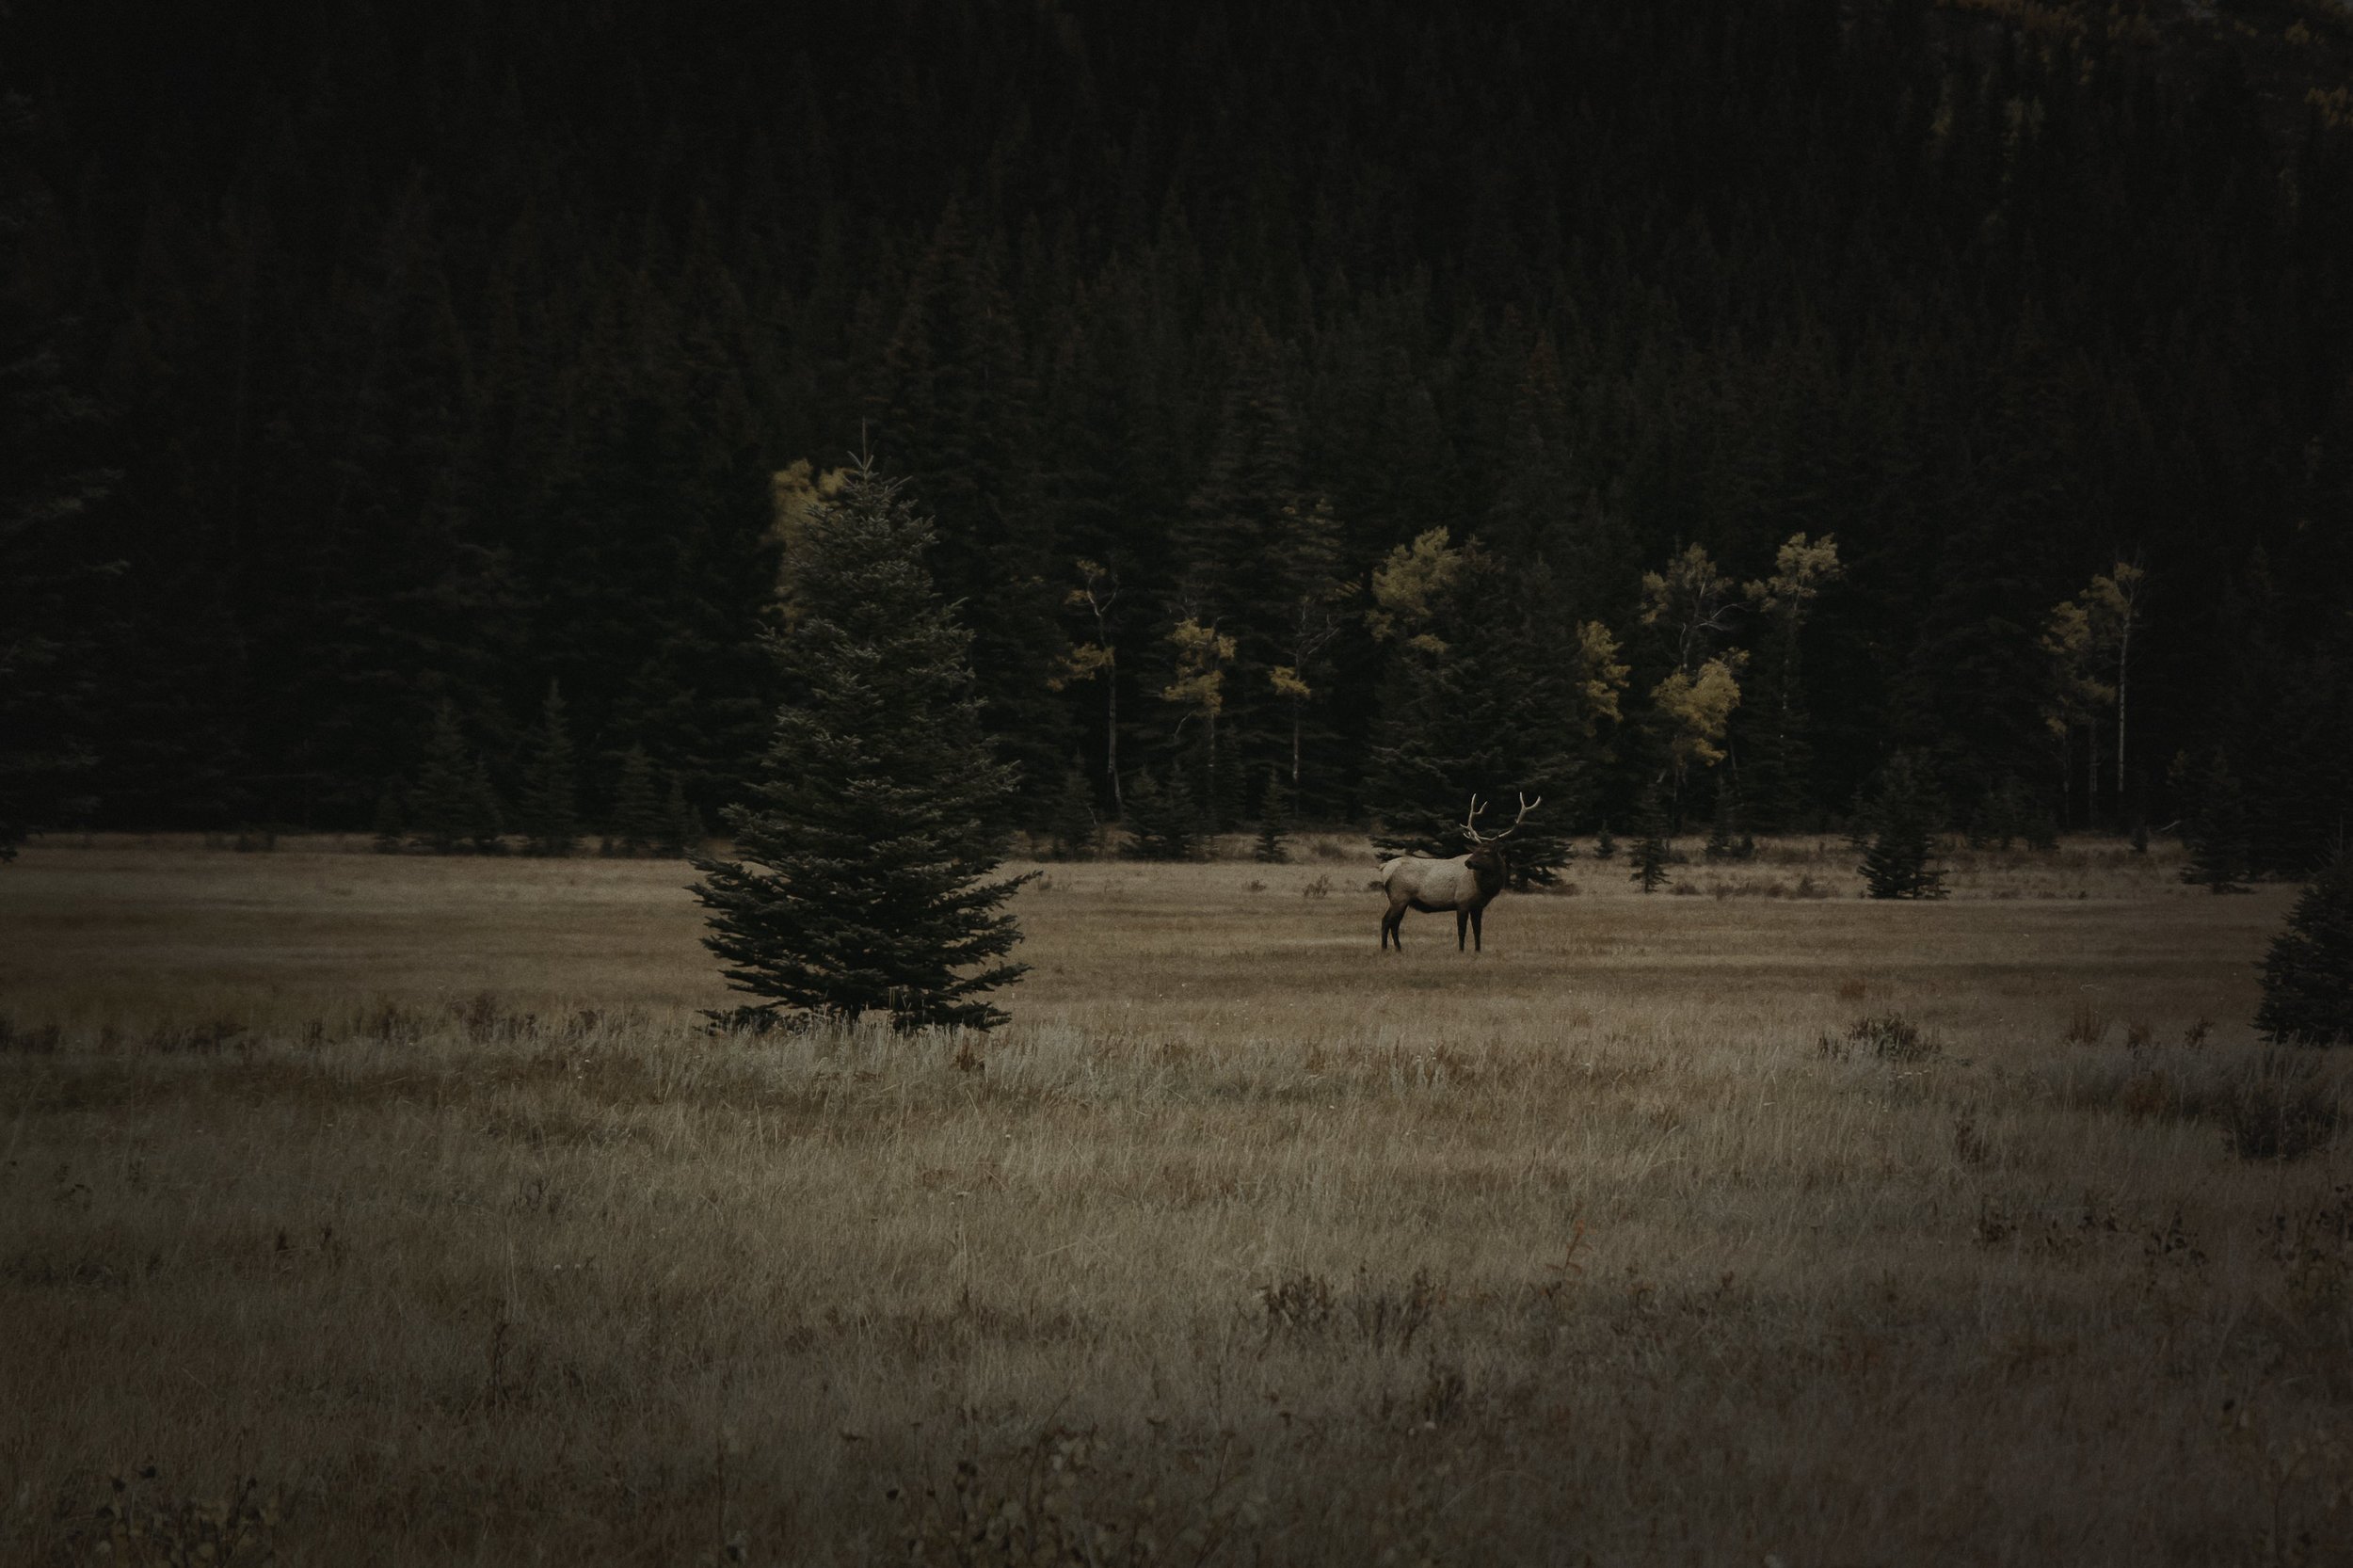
(1477, 838)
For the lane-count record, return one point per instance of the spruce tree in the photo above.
(1071, 824)
(1162, 822)
(683, 828)
(1605, 845)
(637, 822)
(445, 809)
(2308, 974)
(1274, 822)
(549, 814)
(2213, 823)
(1650, 854)
(1897, 832)
(873, 828)
(486, 814)
(1488, 693)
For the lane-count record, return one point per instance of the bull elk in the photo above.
(1466, 883)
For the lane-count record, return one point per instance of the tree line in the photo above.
(1322, 410)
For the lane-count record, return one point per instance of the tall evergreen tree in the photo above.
(548, 808)
(1650, 852)
(1162, 821)
(1487, 694)
(636, 823)
(453, 805)
(2214, 821)
(1897, 831)
(2308, 973)
(869, 840)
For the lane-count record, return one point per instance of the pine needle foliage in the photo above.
(865, 853)
(1897, 832)
(1162, 821)
(637, 823)
(1071, 824)
(549, 809)
(454, 806)
(2214, 821)
(1274, 823)
(2308, 974)
(1650, 854)
(682, 829)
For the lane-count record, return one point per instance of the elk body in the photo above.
(1464, 884)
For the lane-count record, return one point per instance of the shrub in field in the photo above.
(2308, 974)
(2281, 1107)
(874, 821)
(1893, 1037)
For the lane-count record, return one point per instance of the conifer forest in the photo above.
(1697, 402)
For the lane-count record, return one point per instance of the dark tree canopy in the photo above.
(431, 357)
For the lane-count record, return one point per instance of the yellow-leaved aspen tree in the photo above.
(794, 495)
(1202, 654)
(1780, 752)
(1692, 603)
(1410, 585)
(2076, 693)
(1601, 676)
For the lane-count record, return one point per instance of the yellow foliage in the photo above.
(1084, 663)
(1800, 572)
(1600, 678)
(1700, 707)
(1202, 653)
(794, 495)
(1691, 587)
(1408, 586)
(1286, 683)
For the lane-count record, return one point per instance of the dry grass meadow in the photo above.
(358, 1209)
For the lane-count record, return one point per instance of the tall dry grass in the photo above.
(1691, 1228)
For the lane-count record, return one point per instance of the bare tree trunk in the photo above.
(2092, 773)
(1294, 754)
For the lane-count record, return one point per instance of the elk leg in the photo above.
(1477, 945)
(1390, 932)
(1462, 923)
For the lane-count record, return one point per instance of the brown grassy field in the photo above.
(395, 1209)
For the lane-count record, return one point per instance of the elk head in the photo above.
(1483, 851)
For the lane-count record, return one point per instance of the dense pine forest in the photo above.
(1674, 410)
